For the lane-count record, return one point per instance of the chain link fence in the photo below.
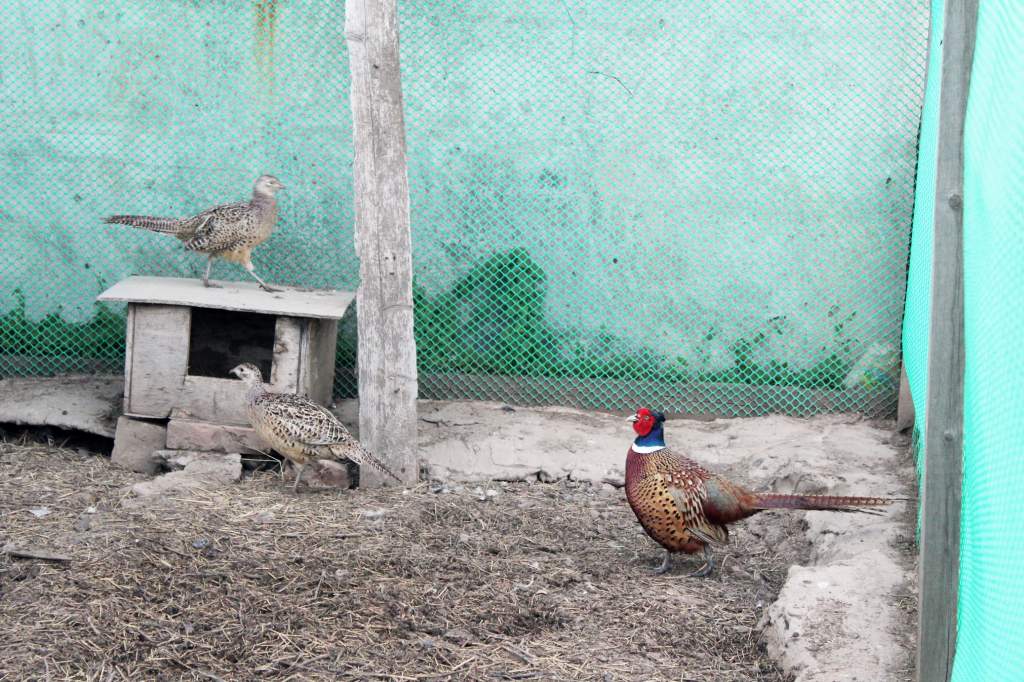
(705, 207)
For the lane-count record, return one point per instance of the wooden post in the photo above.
(905, 406)
(943, 440)
(387, 350)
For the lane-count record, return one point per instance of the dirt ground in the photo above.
(488, 580)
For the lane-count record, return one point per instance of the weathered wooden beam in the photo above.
(943, 439)
(387, 350)
(905, 406)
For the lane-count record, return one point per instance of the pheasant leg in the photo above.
(298, 475)
(666, 564)
(709, 564)
(206, 277)
(263, 285)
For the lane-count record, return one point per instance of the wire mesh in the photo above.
(702, 206)
(157, 109)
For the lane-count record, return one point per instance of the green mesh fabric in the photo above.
(160, 109)
(701, 206)
(991, 610)
(704, 206)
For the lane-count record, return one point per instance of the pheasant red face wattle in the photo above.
(643, 421)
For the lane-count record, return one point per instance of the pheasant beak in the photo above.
(633, 418)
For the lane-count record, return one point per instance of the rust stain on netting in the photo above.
(265, 12)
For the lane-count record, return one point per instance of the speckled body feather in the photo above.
(299, 428)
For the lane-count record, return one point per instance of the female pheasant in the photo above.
(298, 428)
(685, 508)
(228, 231)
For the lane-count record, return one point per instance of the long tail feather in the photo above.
(360, 456)
(819, 502)
(379, 465)
(145, 222)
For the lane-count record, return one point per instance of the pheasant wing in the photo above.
(221, 228)
(685, 482)
(302, 420)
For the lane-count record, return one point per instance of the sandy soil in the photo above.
(847, 607)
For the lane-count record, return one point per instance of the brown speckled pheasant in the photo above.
(686, 508)
(298, 428)
(229, 231)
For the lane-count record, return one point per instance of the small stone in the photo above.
(545, 477)
(200, 543)
(463, 538)
(40, 512)
(175, 460)
(374, 514)
(212, 469)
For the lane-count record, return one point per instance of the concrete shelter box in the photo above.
(183, 338)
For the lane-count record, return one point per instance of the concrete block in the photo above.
(186, 434)
(176, 460)
(203, 471)
(135, 441)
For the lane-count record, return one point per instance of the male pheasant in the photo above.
(685, 508)
(299, 428)
(229, 231)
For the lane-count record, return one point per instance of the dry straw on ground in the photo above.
(542, 581)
